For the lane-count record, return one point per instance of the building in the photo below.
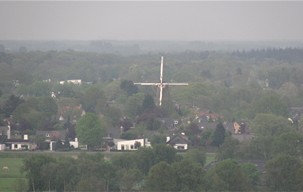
(131, 145)
(72, 81)
(179, 142)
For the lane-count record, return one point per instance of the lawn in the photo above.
(11, 178)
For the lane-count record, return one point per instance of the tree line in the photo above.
(160, 169)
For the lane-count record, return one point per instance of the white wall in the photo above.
(130, 144)
(181, 146)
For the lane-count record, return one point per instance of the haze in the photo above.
(182, 21)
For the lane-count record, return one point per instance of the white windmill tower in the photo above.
(161, 84)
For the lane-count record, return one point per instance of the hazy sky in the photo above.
(151, 20)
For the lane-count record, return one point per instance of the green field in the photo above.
(10, 179)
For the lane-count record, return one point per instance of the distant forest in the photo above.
(233, 79)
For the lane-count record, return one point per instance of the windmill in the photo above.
(161, 84)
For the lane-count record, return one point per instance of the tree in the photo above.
(90, 130)
(11, 104)
(158, 139)
(32, 168)
(165, 153)
(196, 156)
(133, 105)
(129, 178)
(161, 177)
(270, 102)
(252, 172)
(290, 143)
(227, 175)
(261, 147)
(228, 149)
(93, 98)
(189, 176)
(144, 159)
(284, 173)
(39, 113)
(148, 103)
(129, 87)
(219, 135)
(270, 125)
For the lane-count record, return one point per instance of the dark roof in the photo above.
(52, 135)
(16, 141)
(178, 139)
(3, 138)
(3, 129)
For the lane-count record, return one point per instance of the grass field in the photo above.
(10, 179)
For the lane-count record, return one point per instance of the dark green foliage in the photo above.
(125, 124)
(32, 168)
(129, 87)
(158, 139)
(270, 102)
(254, 175)
(92, 98)
(161, 177)
(193, 131)
(260, 148)
(290, 143)
(205, 139)
(196, 156)
(148, 103)
(228, 149)
(165, 153)
(153, 124)
(128, 135)
(227, 175)
(218, 135)
(11, 104)
(36, 113)
(125, 161)
(270, 125)
(190, 176)
(284, 173)
(129, 179)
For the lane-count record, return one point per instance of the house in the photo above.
(72, 81)
(15, 144)
(239, 128)
(10, 143)
(208, 117)
(131, 145)
(52, 137)
(19, 144)
(179, 142)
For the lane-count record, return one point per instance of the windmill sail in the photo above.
(160, 84)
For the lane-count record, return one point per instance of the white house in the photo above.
(72, 81)
(19, 144)
(131, 145)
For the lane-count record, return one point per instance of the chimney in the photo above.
(8, 131)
